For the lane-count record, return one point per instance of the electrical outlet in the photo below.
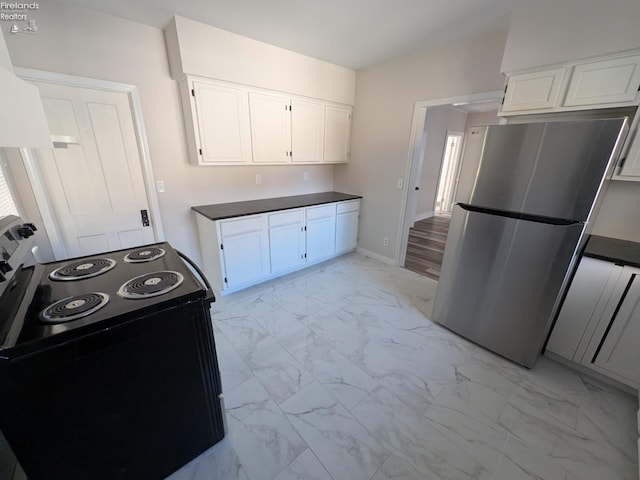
(400, 182)
(385, 241)
(160, 186)
(305, 176)
(258, 178)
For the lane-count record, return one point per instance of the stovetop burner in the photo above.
(151, 285)
(81, 269)
(145, 254)
(74, 307)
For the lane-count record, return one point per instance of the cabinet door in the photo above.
(245, 249)
(222, 117)
(534, 91)
(629, 166)
(321, 232)
(605, 82)
(586, 299)
(286, 240)
(307, 131)
(337, 133)
(270, 127)
(618, 351)
(347, 226)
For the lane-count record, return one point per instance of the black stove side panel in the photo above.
(137, 401)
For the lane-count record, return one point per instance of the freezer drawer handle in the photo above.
(518, 215)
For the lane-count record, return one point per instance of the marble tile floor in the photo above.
(337, 373)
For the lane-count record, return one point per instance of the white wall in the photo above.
(385, 97)
(82, 42)
(437, 121)
(618, 215)
(477, 119)
(198, 49)
(545, 32)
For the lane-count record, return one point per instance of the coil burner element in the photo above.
(74, 307)
(144, 254)
(150, 285)
(81, 269)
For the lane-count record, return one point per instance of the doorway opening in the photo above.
(442, 137)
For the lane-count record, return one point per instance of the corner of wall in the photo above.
(172, 44)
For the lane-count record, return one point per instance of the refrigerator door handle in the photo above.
(518, 215)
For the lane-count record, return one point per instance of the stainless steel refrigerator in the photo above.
(512, 248)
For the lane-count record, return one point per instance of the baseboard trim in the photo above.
(423, 216)
(377, 256)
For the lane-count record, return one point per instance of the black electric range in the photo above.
(108, 367)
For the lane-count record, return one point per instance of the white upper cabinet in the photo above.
(337, 133)
(307, 131)
(221, 126)
(605, 82)
(585, 85)
(270, 127)
(534, 91)
(231, 124)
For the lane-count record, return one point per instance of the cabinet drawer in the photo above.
(241, 225)
(321, 211)
(351, 206)
(286, 218)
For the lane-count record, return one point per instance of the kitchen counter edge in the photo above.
(221, 211)
(623, 252)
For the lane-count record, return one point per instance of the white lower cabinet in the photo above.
(243, 251)
(599, 323)
(244, 247)
(321, 232)
(286, 240)
(347, 226)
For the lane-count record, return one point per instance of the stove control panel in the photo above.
(16, 239)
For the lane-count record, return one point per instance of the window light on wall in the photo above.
(7, 204)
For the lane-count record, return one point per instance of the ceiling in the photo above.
(352, 33)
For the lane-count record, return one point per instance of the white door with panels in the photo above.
(95, 184)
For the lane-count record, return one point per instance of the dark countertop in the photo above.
(252, 207)
(622, 252)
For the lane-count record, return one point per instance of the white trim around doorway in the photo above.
(37, 184)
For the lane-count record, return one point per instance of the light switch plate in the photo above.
(400, 182)
(160, 186)
(258, 178)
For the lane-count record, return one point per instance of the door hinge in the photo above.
(221, 247)
(305, 255)
(200, 151)
(225, 280)
(193, 92)
(305, 228)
